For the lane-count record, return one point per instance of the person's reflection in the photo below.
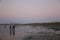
(12, 30)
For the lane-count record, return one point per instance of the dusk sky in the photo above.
(29, 11)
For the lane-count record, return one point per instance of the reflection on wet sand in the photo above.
(27, 33)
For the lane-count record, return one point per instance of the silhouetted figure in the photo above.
(12, 30)
(13, 27)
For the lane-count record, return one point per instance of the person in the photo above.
(10, 29)
(13, 27)
(13, 30)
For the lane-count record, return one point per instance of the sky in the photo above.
(29, 11)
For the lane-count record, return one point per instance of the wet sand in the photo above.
(28, 33)
(42, 37)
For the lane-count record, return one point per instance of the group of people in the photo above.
(12, 30)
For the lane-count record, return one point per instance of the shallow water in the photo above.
(22, 32)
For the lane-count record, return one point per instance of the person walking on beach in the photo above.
(13, 30)
(10, 29)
